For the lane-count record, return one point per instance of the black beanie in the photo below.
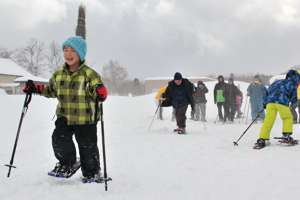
(177, 76)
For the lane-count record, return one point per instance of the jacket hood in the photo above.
(220, 76)
(200, 82)
(293, 76)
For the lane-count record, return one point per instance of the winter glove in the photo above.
(30, 87)
(248, 94)
(264, 106)
(101, 93)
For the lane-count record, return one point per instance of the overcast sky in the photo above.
(156, 38)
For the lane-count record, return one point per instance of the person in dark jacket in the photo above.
(179, 94)
(200, 101)
(230, 93)
(277, 98)
(218, 96)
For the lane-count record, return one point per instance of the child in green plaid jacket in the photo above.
(76, 86)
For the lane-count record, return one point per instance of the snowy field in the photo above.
(149, 165)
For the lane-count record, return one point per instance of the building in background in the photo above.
(13, 77)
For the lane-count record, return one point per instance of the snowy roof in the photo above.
(276, 78)
(9, 67)
(31, 77)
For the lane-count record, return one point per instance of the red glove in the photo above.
(101, 93)
(30, 87)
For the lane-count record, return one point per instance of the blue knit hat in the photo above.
(177, 76)
(78, 44)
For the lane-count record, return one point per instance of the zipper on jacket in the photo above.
(80, 87)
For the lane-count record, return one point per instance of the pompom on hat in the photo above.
(78, 44)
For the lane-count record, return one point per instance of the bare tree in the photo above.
(32, 57)
(80, 29)
(113, 76)
(54, 58)
(5, 53)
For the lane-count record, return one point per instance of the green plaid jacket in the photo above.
(76, 94)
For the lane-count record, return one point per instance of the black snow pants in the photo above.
(64, 148)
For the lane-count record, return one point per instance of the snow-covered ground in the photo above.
(144, 165)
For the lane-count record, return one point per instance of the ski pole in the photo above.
(236, 143)
(154, 115)
(103, 141)
(216, 118)
(24, 110)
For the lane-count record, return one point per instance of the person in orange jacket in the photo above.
(158, 100)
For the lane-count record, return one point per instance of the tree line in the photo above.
(43, 60)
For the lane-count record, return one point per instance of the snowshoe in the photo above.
(180, 130)
(97, 178)
(60, 171)
(261, 143)
(287, 140)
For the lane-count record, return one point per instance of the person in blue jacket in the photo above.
(256, 91)
(277, 98)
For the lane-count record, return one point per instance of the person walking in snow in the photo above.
(293, 107)
(256, 92)
(179, 95)
(76, 86)
(230, 94)
(277, 98)
(200, 103)
(239, 101)
(218, 96)
(158, 101)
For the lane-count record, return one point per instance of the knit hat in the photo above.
(256, 76)
(78, 44)
(177, 76)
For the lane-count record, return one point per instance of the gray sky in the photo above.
(159, 37)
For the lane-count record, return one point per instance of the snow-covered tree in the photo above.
(55, 57)
(113, 76)
(5, 53)
(32, 57)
